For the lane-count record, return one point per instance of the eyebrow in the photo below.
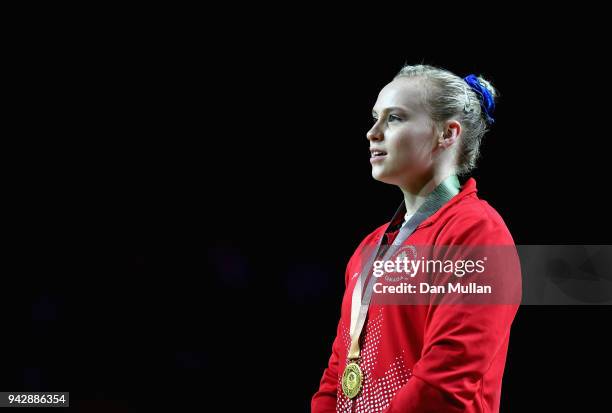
(390, 108)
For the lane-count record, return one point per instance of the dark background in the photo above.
(185, 205)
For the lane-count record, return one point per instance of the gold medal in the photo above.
(352, 380)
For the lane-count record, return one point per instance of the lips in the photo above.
(377, 155)
(374, 153)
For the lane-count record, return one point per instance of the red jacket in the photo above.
(426, 358)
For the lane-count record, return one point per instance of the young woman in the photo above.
(428, 126)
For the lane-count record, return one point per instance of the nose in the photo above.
(375, 133)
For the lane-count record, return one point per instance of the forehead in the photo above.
(401, 92)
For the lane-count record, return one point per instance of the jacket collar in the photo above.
(467, 189)
(446, 194)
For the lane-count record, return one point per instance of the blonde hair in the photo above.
(449, 96)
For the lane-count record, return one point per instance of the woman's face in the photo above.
(403, 132)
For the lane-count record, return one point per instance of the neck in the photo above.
(415, 193)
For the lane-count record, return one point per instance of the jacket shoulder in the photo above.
(473, 220)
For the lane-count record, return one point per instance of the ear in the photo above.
(450, 134)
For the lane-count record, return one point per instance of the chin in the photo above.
(381, 177)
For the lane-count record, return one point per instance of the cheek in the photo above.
(410, 148)
(417, 142)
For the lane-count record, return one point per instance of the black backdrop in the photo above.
(190, 215)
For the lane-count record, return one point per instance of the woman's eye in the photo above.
(391, 118)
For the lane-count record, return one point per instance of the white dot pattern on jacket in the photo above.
(375, 395)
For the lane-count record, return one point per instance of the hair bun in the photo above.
(486, 95)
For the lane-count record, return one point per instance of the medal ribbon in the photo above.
(360, 302)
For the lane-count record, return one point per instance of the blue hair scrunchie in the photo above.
(487, 102)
